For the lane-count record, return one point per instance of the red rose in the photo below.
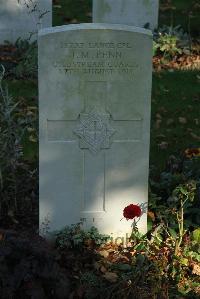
(132, 211)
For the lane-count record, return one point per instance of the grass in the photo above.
(70, 11)
(23, 88)
(175, 123)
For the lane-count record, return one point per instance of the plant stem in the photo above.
(181, 228)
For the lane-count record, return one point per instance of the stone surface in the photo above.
(130, 12)
(16, 20)
(94, 107)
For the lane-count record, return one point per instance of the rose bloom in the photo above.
(132, 211)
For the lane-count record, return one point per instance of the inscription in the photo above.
(96, 58)
(96, 45)
(97, 54)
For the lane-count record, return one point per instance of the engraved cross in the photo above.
(95, 129)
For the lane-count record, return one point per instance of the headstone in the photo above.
(94, 106)
(19, 20)
(141, 13)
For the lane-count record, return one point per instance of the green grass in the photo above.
(23, 88)
(72, 11)
(174, 95)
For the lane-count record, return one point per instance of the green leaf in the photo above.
(196, 235)
(184, 261)
(140, 260)
(149, 224)
(123, 267)
(173, 233)
(140, 247)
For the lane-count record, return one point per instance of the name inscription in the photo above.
(97, 58)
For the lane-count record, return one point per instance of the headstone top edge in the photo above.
(106, 26)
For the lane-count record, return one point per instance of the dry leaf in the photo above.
(196, 269)
(195, 136)
(89, 14)
(151, 215)
(104, 253)
(163, 145)
(163, 109)
(74, 21)
(170, 121)
(133, 252)
(32, 138)
(160, 136)
(30, 130)
(158, 122)
(103, 269)
(158, 116)
(182, 120)
(111, 276)
(1, 237)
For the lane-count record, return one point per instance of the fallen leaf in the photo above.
(158, 116)
(30, 130)
(133, 252)
(103, 269)
(196, 269)
(160, 136)
(111, 276)
(194, 136)
(74, 21)
(163, 145)
(1, 237)
(89, 14)
(163, 109)
(170, 121)
(182, 120)
(32, 138)
(158, 122)
(104, 253)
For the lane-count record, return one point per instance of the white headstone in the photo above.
(18, 20)
(130, 12)
(94, 106)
